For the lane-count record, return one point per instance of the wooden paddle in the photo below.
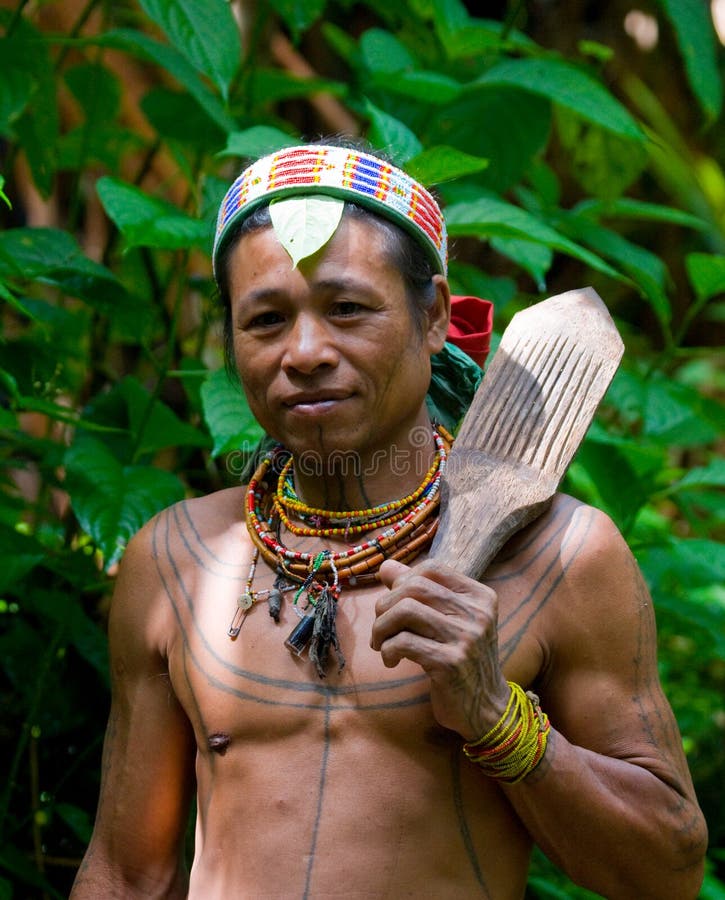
(527, 419)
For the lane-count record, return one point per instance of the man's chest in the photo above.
(253, 685)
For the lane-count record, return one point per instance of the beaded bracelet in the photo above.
(517, 742)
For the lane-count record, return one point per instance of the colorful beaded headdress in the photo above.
(337, 172)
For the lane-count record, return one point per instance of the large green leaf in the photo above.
(628, 208)
(172, 61)
(679, 415)
(488, 217)
(18, 305)
(536, 259)
(711, 475)
(664, 410)
(383, 53)
(177, 117)
(136, 424)
(97, 90)
(153, 425)
(103, 144)
(689, 563)
(468, 279)
(53, 256)
(16, 82)
(38, 126)
(646, 269)
(692, 22)
(298, 15)
(624, 473)
(111, 501)
(392, 135)
(206, 33)
(148, 222)
(462, 35)
(266, 87)
(230, 421)
(259, 140)
(342, 43)
(605, 164)
(706, 272)
(28, 253)
(570, 87)
(438, 164)
(425, 87)
(506, 126)
(37, 132)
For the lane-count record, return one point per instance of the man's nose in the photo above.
(310, 344)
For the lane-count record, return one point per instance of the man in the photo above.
(335, 767)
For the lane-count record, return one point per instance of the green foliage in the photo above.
(697, 45)
(557, 169)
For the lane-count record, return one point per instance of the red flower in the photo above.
(470, 328)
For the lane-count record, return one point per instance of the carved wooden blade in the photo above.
(527, 419)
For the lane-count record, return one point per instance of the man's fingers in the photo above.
(391, 570)
(392, 573)
(449, 593)
(411, 616)
(428, 653)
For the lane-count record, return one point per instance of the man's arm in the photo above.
(611, 802)
(148, 755)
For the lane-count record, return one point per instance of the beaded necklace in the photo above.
(407, 524)
(323, 522)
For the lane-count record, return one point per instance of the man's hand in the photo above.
(448, 624)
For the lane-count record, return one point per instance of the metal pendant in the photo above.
(245, 602)
(300, 635)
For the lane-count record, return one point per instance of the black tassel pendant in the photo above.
(324, 632)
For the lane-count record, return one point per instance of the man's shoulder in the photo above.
(214, 514)
(169, 548)
(587, 560)
(218, 509)
(573, 551)
(565, 522)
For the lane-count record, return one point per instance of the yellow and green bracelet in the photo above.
(517, 742)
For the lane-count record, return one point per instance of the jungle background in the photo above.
(571, 142)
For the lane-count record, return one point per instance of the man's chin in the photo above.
(323, 450)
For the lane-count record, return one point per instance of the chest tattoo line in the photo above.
(236, 671)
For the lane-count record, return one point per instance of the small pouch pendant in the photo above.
(274, 603)
(300, 635)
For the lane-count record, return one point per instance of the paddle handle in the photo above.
(483, 508)
(527, 419)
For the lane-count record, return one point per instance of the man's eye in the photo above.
(265, 320)
(346, 308)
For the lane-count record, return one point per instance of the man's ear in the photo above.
(439, 315)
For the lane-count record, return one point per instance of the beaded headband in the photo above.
(337, 172)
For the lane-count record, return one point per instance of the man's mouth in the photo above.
(314, 401)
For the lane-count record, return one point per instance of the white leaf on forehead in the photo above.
(305, 224)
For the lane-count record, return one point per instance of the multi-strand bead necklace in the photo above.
(407, 524)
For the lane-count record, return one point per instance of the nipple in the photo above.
(218, 742)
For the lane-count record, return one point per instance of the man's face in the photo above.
(328, 353)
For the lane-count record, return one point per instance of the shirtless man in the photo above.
(355, 784)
